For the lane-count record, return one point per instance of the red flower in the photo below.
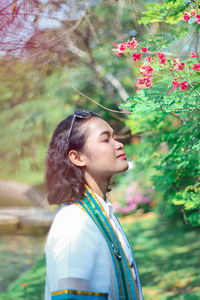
(144, 49)
(141, 80)
(132, 44)
(175, 84)
(193, 54)
(161, 55)
(150, 59)
(192, 12)
(147, 81)
(162, 58)
(183, 85)
(186, 16)
(196, 67)
(179, 66)
(146, 70)
(122, 46)
(162, 61)
(198, 19)
(136, 56)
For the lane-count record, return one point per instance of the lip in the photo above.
(122, 155)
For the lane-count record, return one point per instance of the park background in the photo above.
(136, 63)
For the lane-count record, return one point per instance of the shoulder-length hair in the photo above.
(64, 181)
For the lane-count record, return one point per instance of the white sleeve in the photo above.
(73, 283)
(73, 245)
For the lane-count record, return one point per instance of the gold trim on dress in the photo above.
(78, 293)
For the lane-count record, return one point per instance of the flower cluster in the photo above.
(146, 78)
(183, 85)
(192, 14)
(125, 47)
(150, 64)
(134, 196)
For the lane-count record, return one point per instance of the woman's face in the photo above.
(104, 155)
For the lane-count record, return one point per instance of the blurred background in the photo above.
(50, 51)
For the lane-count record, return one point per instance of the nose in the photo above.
(119, 145)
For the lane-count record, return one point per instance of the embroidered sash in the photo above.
(127, 288)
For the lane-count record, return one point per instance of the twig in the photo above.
(184, 215)
(106, 108)
(178, 117)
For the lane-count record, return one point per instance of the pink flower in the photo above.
(141, 80)
(119, 53)
(179, 66)
(193, 54)
(122, 46)
(114, 44)
(186, 16)
(131, 189)
(146, 70)
(175, 84)
(132, 44)
(183, 85)
(161, 55)
(198, 19)
(145, 80)
(162, 58)
(148, 82)
(193, 12)
(144, 49)
(116, 206)
(146, 199)
(129, 199)
(150, 59)
(128, 208)
(196, 67)
(138, 199)
(136, 56)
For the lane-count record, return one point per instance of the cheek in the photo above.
(100, 151)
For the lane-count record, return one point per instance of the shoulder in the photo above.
(70, 223)
(70, 215)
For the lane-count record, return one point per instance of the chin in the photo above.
(125, 168)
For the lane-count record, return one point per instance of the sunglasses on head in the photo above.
(81, 114)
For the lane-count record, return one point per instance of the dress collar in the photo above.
(103, 202)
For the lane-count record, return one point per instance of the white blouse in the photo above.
(77, 255)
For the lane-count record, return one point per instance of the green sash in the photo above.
(127, 288)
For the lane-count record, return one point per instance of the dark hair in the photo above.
(65, 181)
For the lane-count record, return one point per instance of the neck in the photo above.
(98, 185)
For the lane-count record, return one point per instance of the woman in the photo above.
(87, 253)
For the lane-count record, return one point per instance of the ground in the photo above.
(167, 255)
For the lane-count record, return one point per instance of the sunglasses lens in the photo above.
(82, 114)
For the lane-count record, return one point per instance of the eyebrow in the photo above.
(107, 132)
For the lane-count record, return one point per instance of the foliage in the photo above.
(37, 81)
(168, 89)
(28, 286)
(169, 11)
(167, 257)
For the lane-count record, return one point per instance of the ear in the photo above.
(76, 158)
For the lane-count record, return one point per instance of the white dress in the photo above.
(77, 254)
